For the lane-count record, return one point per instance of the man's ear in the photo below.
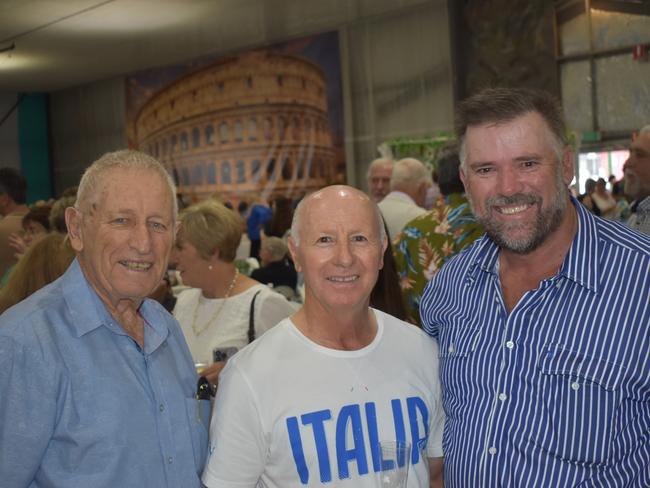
(384, 245)
(293, 250)
(567, 165)
(73, 219)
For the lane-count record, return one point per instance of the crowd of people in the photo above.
(500, 332)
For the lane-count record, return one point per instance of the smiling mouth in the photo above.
(136, 265)
(513, 210)
(343, 279)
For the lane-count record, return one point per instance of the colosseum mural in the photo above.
(257, 122)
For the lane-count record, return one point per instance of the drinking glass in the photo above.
(395, 460)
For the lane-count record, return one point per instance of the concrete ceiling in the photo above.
(64, 43)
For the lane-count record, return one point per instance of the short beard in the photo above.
(546, 221)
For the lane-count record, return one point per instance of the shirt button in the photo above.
(502, 396)
(170, 460)
(558, 284)
(510, 344)
(161, 407)
(575, 386)
(451, 348)
(492, 450)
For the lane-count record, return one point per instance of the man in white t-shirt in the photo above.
(308, 403)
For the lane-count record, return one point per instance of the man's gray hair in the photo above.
(297, 219)
(275, 246)
(123, 159)
(408, 173)
(645, 129)
(378, 162)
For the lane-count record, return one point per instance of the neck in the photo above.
(344, 331)
(223, 278)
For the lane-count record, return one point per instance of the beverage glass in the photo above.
(395, 460)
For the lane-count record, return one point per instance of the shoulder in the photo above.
(409, 336)
(187, 297)
(266, 348)
(619, 235)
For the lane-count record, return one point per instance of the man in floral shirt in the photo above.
(428, 241)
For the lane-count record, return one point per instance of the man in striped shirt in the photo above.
(543, 324)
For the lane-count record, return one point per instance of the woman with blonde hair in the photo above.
(43, 262)
(225, 310)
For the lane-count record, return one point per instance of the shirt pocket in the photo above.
(198, 412)
(581, 394)
(457, 341)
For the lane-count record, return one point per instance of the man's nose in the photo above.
(509, 182)
(344, 256)
(141, 238)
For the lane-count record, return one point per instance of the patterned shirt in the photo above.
(640, 219)
(556, 392)
(429, 241)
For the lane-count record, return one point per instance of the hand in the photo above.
(17, 242)
(212, 372)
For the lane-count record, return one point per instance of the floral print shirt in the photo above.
(430, 240)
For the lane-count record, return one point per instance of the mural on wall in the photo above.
(267, 121)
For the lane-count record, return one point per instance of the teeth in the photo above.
(513, 210)
(343, 279)
(136, 265)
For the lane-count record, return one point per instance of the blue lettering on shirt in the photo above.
(349, 426)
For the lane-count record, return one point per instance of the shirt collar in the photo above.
(89, 312)
(580, 263)
(400, 195)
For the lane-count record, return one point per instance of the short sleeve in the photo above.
(273, 308)
(238, 445)
(437, 420)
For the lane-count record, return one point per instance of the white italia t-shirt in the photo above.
(292, 413)
(223, 325)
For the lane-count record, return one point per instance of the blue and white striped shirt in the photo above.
(556, 393)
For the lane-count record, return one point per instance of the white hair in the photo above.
(123, 159)
(645, 129)
(378, 162)
(297, 218)
(408, 173)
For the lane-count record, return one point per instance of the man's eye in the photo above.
(158, 226)
(121, 221)
(483, 170)
(324, 239)
(359, 238)
(529, 164)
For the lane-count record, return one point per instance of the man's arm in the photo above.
(27, 412)
(436, 466)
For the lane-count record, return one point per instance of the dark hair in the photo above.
(13, 184)
(280, 222)
(39, 214)
(447, 172)
(386, 294)
(505, 104)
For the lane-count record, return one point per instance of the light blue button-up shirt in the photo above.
(82, 405)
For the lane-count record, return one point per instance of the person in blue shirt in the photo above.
(97, 384)
(542, 323)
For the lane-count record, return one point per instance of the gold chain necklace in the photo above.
(199, 330)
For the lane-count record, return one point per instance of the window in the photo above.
(164, 147)
(252, 130)
(270, 170)
(287, 169)
(197, 174)
(211, 175)
(184, 144)
(185, 175)
(241, 172)
(256, 167)
(225, 173)
(196, 137)
(239, 131)
(249, 82)
(209, 134)
(223, 132)
(301, 169)
(173, 143)
(295, 132)
(268, 128)
(282, 127)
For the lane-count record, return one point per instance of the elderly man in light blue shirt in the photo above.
(97, 384)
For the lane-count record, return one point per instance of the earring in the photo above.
(210, 267)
